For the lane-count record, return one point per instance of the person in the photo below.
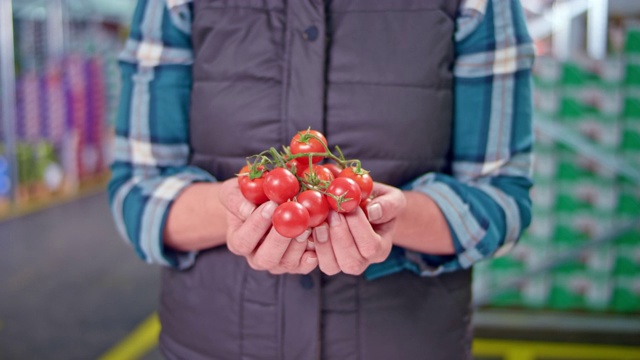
(434, 97)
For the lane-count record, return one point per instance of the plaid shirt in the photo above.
(485, 200)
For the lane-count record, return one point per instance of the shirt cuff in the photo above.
(153, 216)
(468, 228)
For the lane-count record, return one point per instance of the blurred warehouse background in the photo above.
(68, 290)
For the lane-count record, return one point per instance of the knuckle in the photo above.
(332, 270)
(264, 263)
(289, 264)
(355, 267)
(239, 248)
(255, 266)
(370, 249)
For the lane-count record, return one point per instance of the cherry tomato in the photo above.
(316, 204)
(335, 169)
(308, 141)
(363, 205)
(364, 180)
(300, 168)
(281, 185)
(316, 174)
(252, 190)
(347, 187)
(290, 219)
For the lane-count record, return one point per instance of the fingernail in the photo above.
(312, 259)
(374, 211)
(322, 235)
(268, 209)
(335, 219)
(311, 245)
(304, 236)
(246, 209)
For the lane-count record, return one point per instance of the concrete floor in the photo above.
(70, 288)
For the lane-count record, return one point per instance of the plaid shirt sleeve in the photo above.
(486, 198)
(151, 149)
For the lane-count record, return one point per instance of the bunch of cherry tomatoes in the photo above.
(304, 189)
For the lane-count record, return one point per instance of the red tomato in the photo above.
(364, 180)
(316, 204)
(281, 185)
(309, 141)
(316, 174)
(300, 168)
(347, 187)
(363, 205)
(252, 190)
(290, 219)
(335, 169)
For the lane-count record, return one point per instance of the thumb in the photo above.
(233, 200)
(386, 206)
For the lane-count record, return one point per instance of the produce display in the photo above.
(304, 188)
(576, 200)
(64, 106)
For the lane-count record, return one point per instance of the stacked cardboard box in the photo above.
(577, 200)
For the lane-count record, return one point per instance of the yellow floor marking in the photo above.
(142, 340)
(524, 350)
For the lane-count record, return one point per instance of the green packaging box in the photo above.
(507, 297)
(545, 164)
(546, 71)
(631, 107)
(577, 73)
(535, 292)
(626, 294)
(543, 195)
(627, 260)
(601, 130)
(632, 41)
(581, 290)
(599, 292)
(609, 99)
(629, 200)
(568, 290)
(632, 76)
(585, 192)
(543, 224)
(600, 259)
(630, 139)
(546, 100)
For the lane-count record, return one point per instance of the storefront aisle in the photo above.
(69, 287)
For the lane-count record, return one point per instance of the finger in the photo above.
(233, 200)
(326, 258)
(369, 243)
(269, 254)
(311, 245)
(344, 247)
(291, 259)
(387, 205)
(308, 262)
(243, 239)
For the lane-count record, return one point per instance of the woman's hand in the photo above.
(351, 242)
(250, 234)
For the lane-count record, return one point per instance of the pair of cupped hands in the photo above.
(346, 243)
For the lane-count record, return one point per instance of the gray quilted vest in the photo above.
(375, 76)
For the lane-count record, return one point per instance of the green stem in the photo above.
(277, 157)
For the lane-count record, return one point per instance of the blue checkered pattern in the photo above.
(485, 200)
